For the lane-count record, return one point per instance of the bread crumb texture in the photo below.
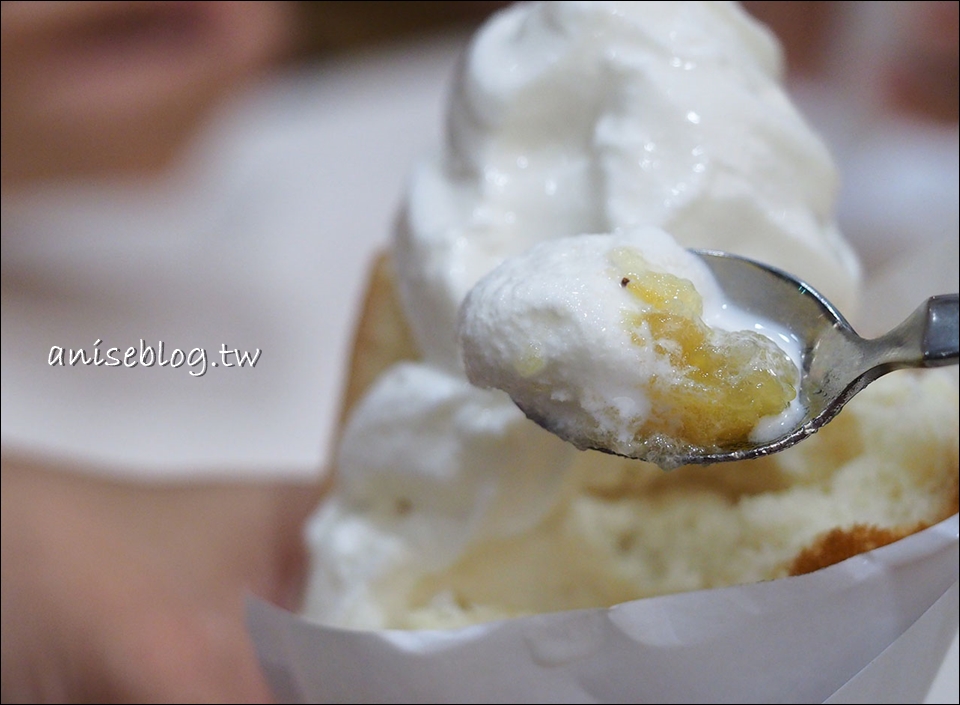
(886, 467)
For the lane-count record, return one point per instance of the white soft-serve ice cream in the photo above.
(618, 120)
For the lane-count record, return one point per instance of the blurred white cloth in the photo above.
(260, 241)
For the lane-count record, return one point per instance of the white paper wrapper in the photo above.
(804, 639)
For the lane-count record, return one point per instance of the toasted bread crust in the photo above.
(842, 543)
(382, 336)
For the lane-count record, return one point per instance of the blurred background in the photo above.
(189, 55)
(211, 173)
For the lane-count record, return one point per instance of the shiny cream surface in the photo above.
(565, 118)
(626, 343)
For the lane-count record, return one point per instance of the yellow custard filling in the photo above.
(721, 384)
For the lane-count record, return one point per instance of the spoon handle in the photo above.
(941, 334)
(927, 338)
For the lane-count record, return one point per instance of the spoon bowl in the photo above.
(836, 362)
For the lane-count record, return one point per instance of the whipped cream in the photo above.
(589, 117)
(626, 343)
(566, 118)
(428, 464)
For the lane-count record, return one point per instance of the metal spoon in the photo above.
(836, 362)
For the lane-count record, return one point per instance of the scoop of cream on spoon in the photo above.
(630, 344)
